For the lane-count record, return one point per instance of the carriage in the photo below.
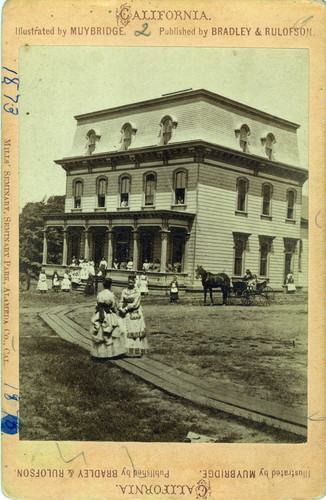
(262, 294)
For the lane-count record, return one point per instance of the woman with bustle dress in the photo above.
(107, 335)
(133, 322)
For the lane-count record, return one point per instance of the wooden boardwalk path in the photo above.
(181, 384)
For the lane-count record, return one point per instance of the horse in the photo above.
(210, 281)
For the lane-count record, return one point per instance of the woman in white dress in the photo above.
(42, 285)
(133, 322)
(107, 335)
(65, 284)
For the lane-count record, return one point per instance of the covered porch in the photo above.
(158, 238)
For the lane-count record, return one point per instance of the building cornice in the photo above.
(199, 151)
(180, 98)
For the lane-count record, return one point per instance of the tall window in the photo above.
(126, 136)
(291, 198)
(166, 132)
(180, 186)
(78, 193)
(244, 138)
(124, 190)
(149, 188)
(240, 243)
(91, 142)
(101, 189)
(264, 250)
(267, 191)
(242, 192)
(269, 146)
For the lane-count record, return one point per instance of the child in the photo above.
(42, 285)
(174, 290)
(55, 281)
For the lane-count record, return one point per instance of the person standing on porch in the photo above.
(143, 283)
(133, 322)
(290, 286)
(130, 265)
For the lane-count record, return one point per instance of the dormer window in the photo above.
(269, 146)
(126, 137)
(167, 127)
(91, 142)
(101, 191)
(244, 138)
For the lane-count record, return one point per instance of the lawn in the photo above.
(67, 396)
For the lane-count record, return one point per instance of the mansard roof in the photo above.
(179, 97)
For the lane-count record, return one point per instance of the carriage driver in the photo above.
(250, 279)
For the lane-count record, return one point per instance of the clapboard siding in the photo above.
(227, 179)
(164, 188)
(217, 221)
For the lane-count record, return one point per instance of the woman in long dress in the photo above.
(133, 321)
(65, 284)
(42, 285)
(143, 284)
(107, 335)
(55, 281)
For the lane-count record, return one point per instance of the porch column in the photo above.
(110, 252)
(135, 249)
(45, 247)
(65, 248)
(86, 256)
(164, 245)
(185, 253)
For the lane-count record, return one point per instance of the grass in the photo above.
(68, 396)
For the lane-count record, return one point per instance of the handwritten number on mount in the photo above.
(144, 26)
(11, 81)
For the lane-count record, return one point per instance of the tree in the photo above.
(31, 225)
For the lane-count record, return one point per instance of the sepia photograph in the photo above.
(163, 244)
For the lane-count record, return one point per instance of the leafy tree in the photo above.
(31, 225)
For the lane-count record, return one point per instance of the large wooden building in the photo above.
(190, 177)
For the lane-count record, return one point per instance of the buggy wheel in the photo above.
(269, 295)
(247, 297)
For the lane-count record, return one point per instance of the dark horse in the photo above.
(210, 281)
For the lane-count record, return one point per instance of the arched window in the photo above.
(101, 190)
(180, 186)
(91, 142)
(149, 188)
(264, 251)
(126, 137)
(269, 146)
(267, 192)
(166, 131)
(244, 138)
(77, 193)
(242, 193)
(124, 190)
(291, 199)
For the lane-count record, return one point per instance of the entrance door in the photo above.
(146, 245)
(74, 244)
(122, 242)
(98, 247)
(287, 264)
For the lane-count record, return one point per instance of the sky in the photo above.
(60, 82)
